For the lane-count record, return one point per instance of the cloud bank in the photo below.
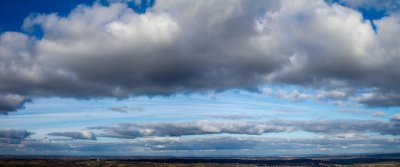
(327, 127)
(180, 46)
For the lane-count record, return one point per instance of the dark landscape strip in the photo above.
(272, 162)
(224, 161)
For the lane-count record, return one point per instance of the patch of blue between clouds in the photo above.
(142, 6)
(372, 14)
(369, 13)
(13, 12)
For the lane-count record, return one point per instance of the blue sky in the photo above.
(196, 78)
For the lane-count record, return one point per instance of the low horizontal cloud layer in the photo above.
(330, 136)
(86, 135)
(183, 46)
(206, 146)
(273, 144)
(330, 127)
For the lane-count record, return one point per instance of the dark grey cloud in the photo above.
(11, 102)
(136, 130)
(381, 98)
(86, 135)
(98, 51)
(14, 133)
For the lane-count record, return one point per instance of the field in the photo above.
(387, 160)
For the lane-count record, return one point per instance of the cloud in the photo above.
(231, 117)
(112, 51)
(86, 135)
(130, 130)
(380, 99)
(396, 118)
(317, 61)
(332, 94)
(275, 145)
(379, 114)
(294, 95)
(137, 130)
(14, 134)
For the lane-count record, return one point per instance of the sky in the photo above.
(199, 78)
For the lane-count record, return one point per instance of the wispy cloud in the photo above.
(125, 109)
(86, 135)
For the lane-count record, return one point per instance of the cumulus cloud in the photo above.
(182, 46)
(136, 130)
(86, 135)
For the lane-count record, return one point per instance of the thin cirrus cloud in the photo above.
(112, 51)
